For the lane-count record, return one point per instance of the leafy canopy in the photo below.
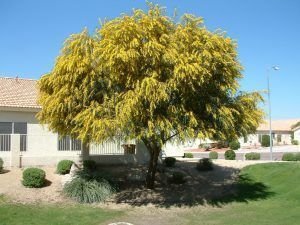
(148, 77)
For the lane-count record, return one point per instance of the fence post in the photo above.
(15, 150)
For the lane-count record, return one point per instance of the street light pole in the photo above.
(270, 115)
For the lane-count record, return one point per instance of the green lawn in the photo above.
(269, 194)
(12, 214)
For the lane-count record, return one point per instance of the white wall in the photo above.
(42, 145)
(297, 135)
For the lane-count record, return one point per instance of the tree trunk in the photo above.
(84, 154)
(154, 151)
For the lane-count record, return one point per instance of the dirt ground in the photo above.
(11, 187)
(198, 189)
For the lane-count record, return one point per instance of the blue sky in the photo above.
(267, 32)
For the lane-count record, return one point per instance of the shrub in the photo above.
(265, 140)
(170, 161)
(188, 155)
(89, 165)
(234, 145)
(288, 157)
(64, 166)
(204, 164)
(295, 142)
(213, 155)
(1, 164)
(177, 178)
(230, 155)
(297, 156)
(88, 191)
(252, 156)
(34, 177)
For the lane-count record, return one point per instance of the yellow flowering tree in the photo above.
(148, 77)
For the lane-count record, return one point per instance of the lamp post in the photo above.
(270, 116)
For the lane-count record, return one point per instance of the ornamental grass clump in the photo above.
(88, 191)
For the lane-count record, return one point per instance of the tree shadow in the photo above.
(221, 186)
(3, 171)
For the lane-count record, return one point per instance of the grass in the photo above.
(268, 194)
(15, 214)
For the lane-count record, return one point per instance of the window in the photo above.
(245, 139)
(7, 128)
(66, 143)
(278, 138)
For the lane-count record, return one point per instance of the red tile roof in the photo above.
(18, 93)
(278, 125)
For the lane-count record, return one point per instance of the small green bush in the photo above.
(88, 191)
(295, 142)
(288, 157)
(230, 155)
(34, 177)
(213, 155)
(204, 164)
(297, 156)
(234, 145)
(177, 178)
(265, 140)
(188, 155)
(252, 156)
(89, 165)
(170, 161)
(64, 166)
(1, 164)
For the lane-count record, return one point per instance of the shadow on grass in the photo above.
(221, 186)
(246, 190)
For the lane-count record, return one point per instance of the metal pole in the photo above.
(270, 116)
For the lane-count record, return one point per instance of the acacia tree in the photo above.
(148, 77)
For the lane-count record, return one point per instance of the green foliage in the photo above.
(89, 165)
(64, 166)
(33, 177)
(141, 76)
(297, 156)
(295, 142)
(252, 156)
(265, 140)
(234, 145)
(230, 155)
(88, 191)
(188, 155)
(291, 157)
(204, 164)
(149, 85)
(288, 157)
(1, 164)
(177, 178)
(213, 155)
(170, 161)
